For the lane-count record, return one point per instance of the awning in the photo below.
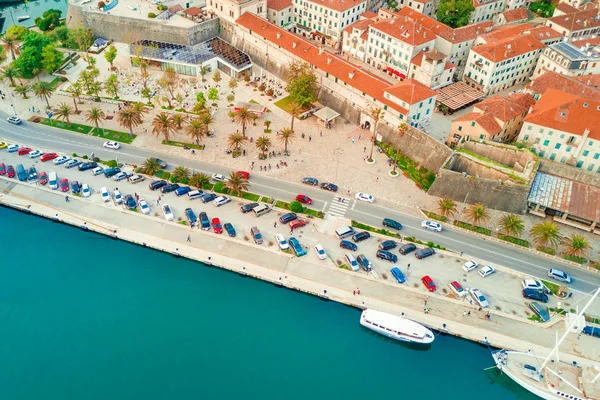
(253, 108)
(326, 114)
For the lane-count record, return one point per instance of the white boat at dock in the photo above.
(396, 327)
(23, 18)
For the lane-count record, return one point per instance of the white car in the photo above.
(112, 145)
(320, 252)
(167, 212)
(120, 176)
(364, 197)
(469, 266)
(97, 171)
(85, 190)
(486, 271)
(220, 178)
(432, 226)
(72, 163)
(12, 148)
(104, 195)
(14, 120)
(118, 196)
(144, 207)
(61, 160)
(479, 298)
(35, 153)
(283, 244)
(532, 284)
(219, 201)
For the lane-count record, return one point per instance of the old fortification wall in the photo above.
(126, 29)
(507, 155)
(465, 165)
(569, 172)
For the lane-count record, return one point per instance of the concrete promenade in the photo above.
(502, 330)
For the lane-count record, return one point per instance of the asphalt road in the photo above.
(61, 141)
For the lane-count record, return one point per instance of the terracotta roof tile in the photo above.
(338, 5)
(517, 14)
(575, 86)
(577, 21)
(411, 91)
(509, 48)
(404, 30)
(566, 8)
(486, 121)
(504, 108)
(193, 11)
(368, 15)
(585, 42)
(279, 5)
(590, 80)
(361, 25)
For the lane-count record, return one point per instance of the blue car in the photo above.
(285, 218)
(191, 217)
(182, 190)
(310, 181)
(348, 245)
(230, 229)
(208, 197)
(204, 221)
(396, 273)
(390, 223)
(110, 172)
(296, 246)
(592, 331)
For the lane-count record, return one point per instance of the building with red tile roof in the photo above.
(355, 36)
(542, 33)
(573, 59)
(515, 16)
(563, 9)
(432, 68)
(583, 86)
(580, 24)
(327, 18)
(280, 12)
(486, 10)
(230, 10)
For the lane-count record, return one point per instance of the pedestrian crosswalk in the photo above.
(338, 206)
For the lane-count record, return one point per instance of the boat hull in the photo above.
(414, 340)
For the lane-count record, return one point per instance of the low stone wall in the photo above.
(507, 155)
(569, 172)
(464, 165)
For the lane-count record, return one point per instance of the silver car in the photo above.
(479, 298)
(559, 275)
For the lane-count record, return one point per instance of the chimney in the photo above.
(329, 59)
(278, 35)
(321, 50)
(294, 45)
(351, 74)
(424, 35)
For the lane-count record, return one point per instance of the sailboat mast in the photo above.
(575, 320)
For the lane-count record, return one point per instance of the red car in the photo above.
(10, 171)
(2, 169)
(298, 223)
(23, 150)
(48, 156)
(244, 174)
(303, 199)
(428, 283)
(216, 224)
(64, 185)
(43, 178)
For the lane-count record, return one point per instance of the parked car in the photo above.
(23, 150)
(535, 295)
(387, 256)
(35, 153)
(282, 242)
(329, 186)
(428, 283)
(32, 173)
(559, 275)
(533, 284)
(320, 252)
(285, 218)
(144, 207)
(398, 275)
(182, 190)
(136, 178)
(10, 171)
(12, 148)
(154, 185)
(208, 197)
(230, 229)
(457, 289)
(221, 200)
(129, 202)
(348, 245)
(97, 171)
(104, 194)
(387, 245)
(14, 120)
(216, 225)
(248, 207)
(298, 223)
(219, 178)
(424, 253)
(42, 178)
(479, 297)
(407, 248)
(360, 236)
(48, 156)
(111, 145)
(163, 164)
(61, 160)
(169, 188)
(256, 235)
(592, 331)
(110, 172)
(2, 169)
(191, 217)
(310, 181)
(364, 262)
(204, 222)
(167, 212)
(390, 223)
(118, 196)
(486, 271)
(3, 145)
(75, 187)
(119, 177)
(303, 199)
(469, 266)
(540, 311)
(352, 263)
(87, 165)
(364, 197)
(64, 185)
(432, 226)
(72, 163)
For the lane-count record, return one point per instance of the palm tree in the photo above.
(63, 112)
(286, 136)
(162, 124)
(23, 90)
(180, 173)
(376, 114)
(141, 108)
(44, 89)
(11, 44)
(263, 143)
(95, 115)
(178, 120)
(9, 73)
(242, 117)
(199, 180)
(294, 109)
(236, 141)
(128, 117)
(402, 129)
(237, 184)
(446, 207)
(576, 246)
(512, 225)
(151, 166)
(477, 213)
(195, 128)
(207, 120)
(546, 233)
(75, 90)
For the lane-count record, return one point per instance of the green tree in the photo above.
(111, 86)
(52, 59)
(151, 166)
(230, 97)
(263, 143)
(376, 114)
(110, 54)
(446, 207)
(477, 213)
(242, 117)
(295, 110)
(195, 129)
(546, 234)
(64, 111)
(511, 225)
(178, 120)
(169, 82)
(10, 73)
(392, 5)
(576, 245)
(402, 129)
(75, 90)
(23, 90)
(267, 124)
(62, 34)
(235, 141)
(203, 72)
(237, 184)
(49, 20)
(162, 124)
(30, 60)
(95, 115)
(130, 117)
(296, 206)
(17, 31)
(147, 94)
(233, 84)
(44, 89)
(180, 173)
(286, 136)
(199, 180)
(213, 94)
(455, 13)
(302, 89)
(217, 77)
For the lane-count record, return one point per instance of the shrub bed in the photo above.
(435, 216)
(478, 229)
(512, 239)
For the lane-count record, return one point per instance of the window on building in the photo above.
(590, 167)
(563, 160)
(481, 137)
(585, 153)
(546, 142)
(557, 146)
(553, 156)
(579, 164)
(596, 156)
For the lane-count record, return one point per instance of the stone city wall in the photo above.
(470, 167)
(127, 29)
(507, 155)
(569, 172)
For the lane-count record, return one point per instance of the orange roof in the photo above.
(505, 108)
(362, 25)
(585, 42)
(566, 8)
(337, 5)
(505, 32)
(590, 80)
(486, 121)
(479, 3)
(509, 48)
(193, 11)
(543, 33)
(404, 30)
(411, 91)
(577, 21)
(368, 15)
(576, 86)
(411, 15)
(279, 5)
(517, 14)
(566, 112)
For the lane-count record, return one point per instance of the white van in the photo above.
(260, 210)
(52, 181)
(352, 263)
(195, 194)
(344, 232)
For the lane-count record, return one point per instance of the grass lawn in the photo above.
(183, 144)
(547, 250)
(422, 177)
(435, 216)
(250, 196)
(116, 136)
(512, 239)
(284, 104)
(356, 224)
(282, 204)
(579, 260)
(78, 128)
(552, 286)
(478, 229)
(266, 199)
(253, 102)
(314, 213)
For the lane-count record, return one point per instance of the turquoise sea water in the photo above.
(34, 9)
(86, 317)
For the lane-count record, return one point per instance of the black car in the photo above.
(110, 172)
(75, 187)
(208, 197)
(87, 165)
(348, 245)
(364, 262)
(157, 184)
(386, 255)
(204, 222)
(592, 331)
(129, 202)
(32, 173)
(535, 295)
(285, 218)
(248, 207)
(392, 224)
(388, 245)
(329, 186)
(407, 248)
(169, 188)
(191, 217)
(230, 229)
(360, 236)
(423, 253)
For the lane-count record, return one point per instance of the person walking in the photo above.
(275, 224)
(189, 238)
(408, 268)
(67, 198)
